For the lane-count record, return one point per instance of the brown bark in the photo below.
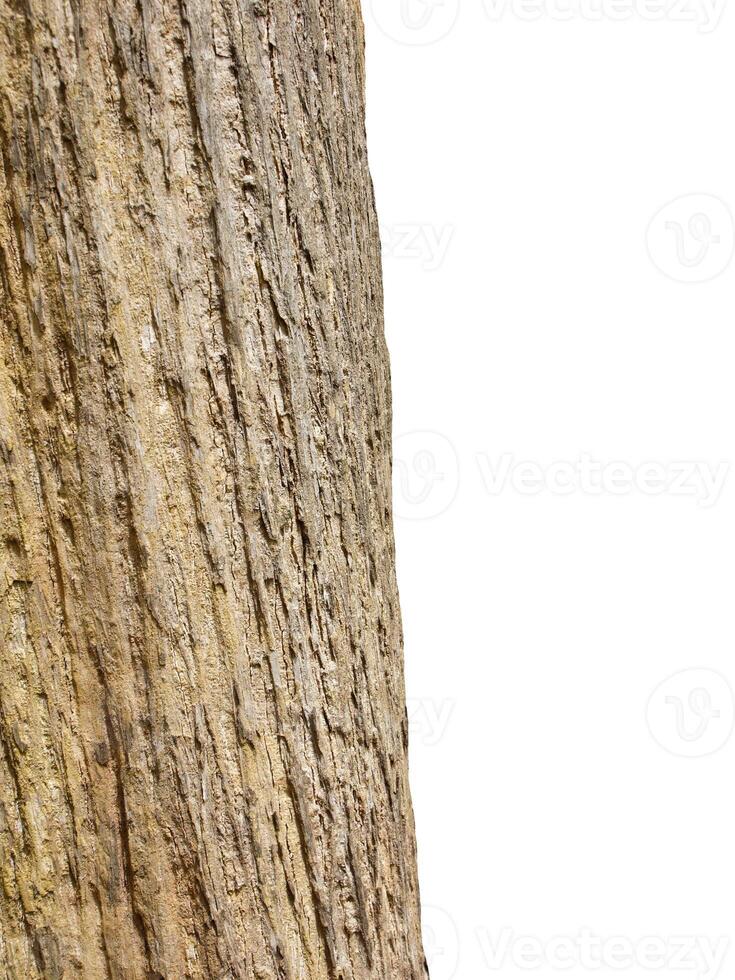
(202, 722)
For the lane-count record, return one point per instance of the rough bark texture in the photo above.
(202, 724)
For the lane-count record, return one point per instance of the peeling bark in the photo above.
(202, 723)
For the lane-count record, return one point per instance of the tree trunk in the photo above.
(202, 723)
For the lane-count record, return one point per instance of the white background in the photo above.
(542, 309)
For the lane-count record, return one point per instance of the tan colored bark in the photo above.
(202, 723)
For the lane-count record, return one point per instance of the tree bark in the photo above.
(202, 723)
